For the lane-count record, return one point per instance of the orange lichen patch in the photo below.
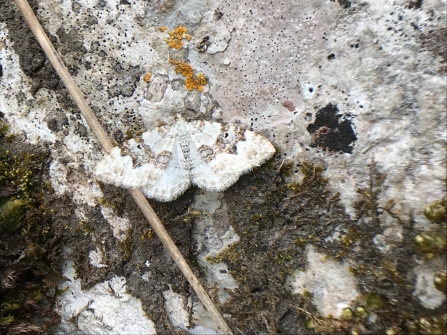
(191, 81)
(163, 28)
(175, 37)
(147, 77)
(185, 69)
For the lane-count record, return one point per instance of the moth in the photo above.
(165, 161)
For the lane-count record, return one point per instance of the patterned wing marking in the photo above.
(174, 180)
(140, 162)
(234, 151)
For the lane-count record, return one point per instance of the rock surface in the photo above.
(351, 93)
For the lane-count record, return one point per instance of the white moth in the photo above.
(164, 162)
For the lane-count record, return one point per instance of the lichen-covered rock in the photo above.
(352, 95)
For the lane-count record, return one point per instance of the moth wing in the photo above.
(111, 168)
(139, 162)
(221, 154)
(174, 180)
(254, 150)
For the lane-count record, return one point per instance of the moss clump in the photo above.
(272, 221)
(115, 203)
(434, 325)
(147, 234)
(4, 132)
(85, 227)
(352, 319)
(282, 257)
(11, 215)
(430, 242)
(125, 248)
(232, 253)
(440, 280)
(29, 247)
(436, 211)
(16, 171)
(313, 179)
(277, 218)
(255, 219)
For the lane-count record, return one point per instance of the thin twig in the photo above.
(280, 167)
(107, 145)
(313, 317)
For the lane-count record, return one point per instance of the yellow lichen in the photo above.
(186, 70)
(175, 37)
(147, 77)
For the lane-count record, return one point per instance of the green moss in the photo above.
(49, 187)
(270, 218)
(436, 211)
(9, 307)
(287, 169)
(283, 257)
(282, 273)
(255, 219)
(309, 323)
(85, 227)
(232, 253)
(25, 230)
(6, 320)
(434, 325)
(61, 291)
(270, 164)
(368, 202)
(430, 242)
(147, 234)
(373, 301)
(313, 182)
(4, 130)
(276, 226)
(125, 247)
(361, 312)
(440, 280)
(214, 260)
(115, 203)
(37, 295)
(347, 314)
(301, 242)
(11, 215)
(4, 133)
